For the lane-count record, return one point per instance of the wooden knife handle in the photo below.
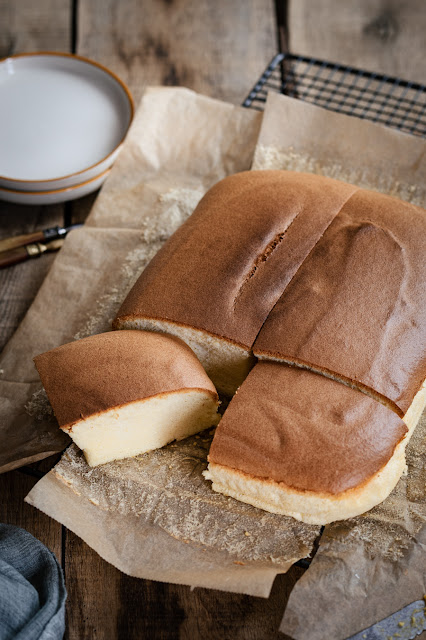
(13, 256)
(18, 241)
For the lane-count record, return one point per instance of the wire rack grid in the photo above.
(391, 101)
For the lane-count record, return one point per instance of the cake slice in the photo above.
(123, 393)
(297, 443)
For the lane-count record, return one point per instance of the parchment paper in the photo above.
(179, 561)
(300, 136)
(142, 205)
(179, 145)
(164, 491)
(371, 566)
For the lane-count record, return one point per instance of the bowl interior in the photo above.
(59, 115)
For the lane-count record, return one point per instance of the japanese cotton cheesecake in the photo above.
(297, 443)
(300, 269)
(120, 394)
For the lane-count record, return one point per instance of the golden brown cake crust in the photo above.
(356, 305)
(92, 375)
(311, 433)
(225, 268)
(332, 277)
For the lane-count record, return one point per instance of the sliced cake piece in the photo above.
(216, 279)
(122, 393)
(356, 307)
(297, 443)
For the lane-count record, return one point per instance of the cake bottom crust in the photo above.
(308, 506)
(314, 507)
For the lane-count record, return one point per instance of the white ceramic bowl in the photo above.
(62, 120)
(55, 195)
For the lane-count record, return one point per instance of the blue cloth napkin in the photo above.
(32, 589)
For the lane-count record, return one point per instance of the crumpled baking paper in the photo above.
(179, 145)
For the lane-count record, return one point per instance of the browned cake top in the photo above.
(307, 431)
(331, 276)
(108, 370)
(225, 268)
(357, 304)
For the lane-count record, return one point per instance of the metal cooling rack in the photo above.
(391, 101)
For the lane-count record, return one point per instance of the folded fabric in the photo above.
(32, 589)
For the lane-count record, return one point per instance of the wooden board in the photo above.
(19, 284)
(34, 26)
(105, 604)
(217, 48)
(28, 26)
(14, 486)
(386, 36)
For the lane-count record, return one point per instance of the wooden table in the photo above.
(217, 47)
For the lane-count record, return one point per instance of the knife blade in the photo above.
(33, 250)
(405, 624)
(45, 235)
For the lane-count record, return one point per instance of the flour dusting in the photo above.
(173, 208)
(166, 488)
(270, 157)
(38, 406)
(106, 306)
(391, 527)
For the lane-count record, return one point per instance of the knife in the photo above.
(20, 254)
(405, 624)
(37, 236)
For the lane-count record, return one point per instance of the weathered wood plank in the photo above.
(14, 486)
(34, 26)
(107, 604)
(19, 284)
(28, 26)
(386, 36)
(217, 615)
(94, 599)
(217, 48)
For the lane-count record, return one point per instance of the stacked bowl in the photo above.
(63, 119)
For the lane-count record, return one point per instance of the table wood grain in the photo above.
(217, 48)
(386, 37)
